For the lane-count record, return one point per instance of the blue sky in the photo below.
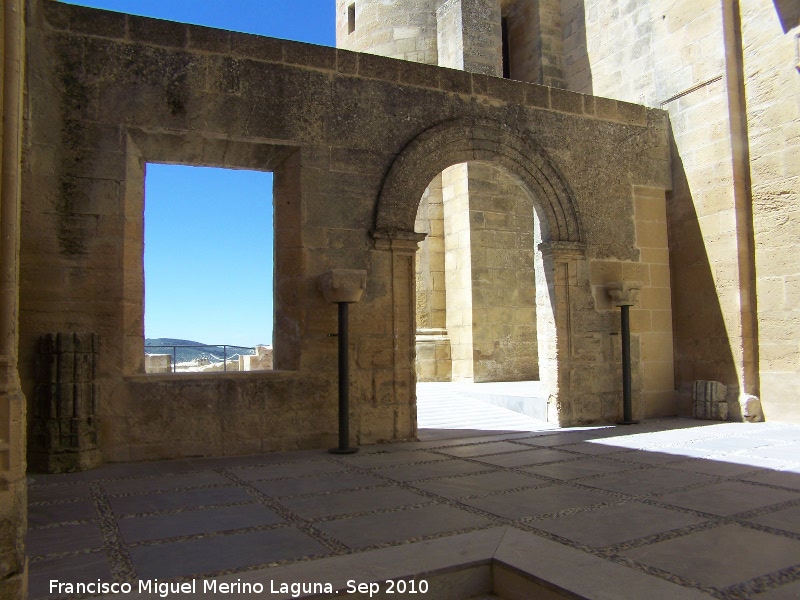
(208, 232)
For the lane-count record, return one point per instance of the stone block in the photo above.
(157, 31)
(158, 363)
(565, 101)
(709, 400)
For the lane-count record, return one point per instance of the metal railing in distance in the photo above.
(211, 357)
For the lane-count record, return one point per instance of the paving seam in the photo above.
(335, 546)
(764, 583)
(117, 554)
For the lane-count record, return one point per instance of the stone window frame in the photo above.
(190, 148)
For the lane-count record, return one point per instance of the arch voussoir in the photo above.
(463, 140)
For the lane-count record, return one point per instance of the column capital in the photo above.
(562, 251)
(343, 285)
(624, 293)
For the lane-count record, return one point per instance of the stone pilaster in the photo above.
(402, 245)
(560, 266)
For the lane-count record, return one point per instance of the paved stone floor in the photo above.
(713, 508)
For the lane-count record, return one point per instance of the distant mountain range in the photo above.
(201, 352)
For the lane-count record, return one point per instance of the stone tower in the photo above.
(476, 298)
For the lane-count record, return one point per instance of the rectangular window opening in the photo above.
(351, 18)
(506, 49)
(208, 269)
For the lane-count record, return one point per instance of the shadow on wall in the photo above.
(788, 12)
(701, 344)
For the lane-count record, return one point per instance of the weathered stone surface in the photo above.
(64, 433)
(710, 400)
(343, 285)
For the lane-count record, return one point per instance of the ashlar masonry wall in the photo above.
(353, 140)
(727, 74)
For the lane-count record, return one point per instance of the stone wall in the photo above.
(726, 72)
(110, 92)
(503, 320)
(771, 74)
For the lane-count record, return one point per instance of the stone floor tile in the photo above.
(789, 453)
(527, 457)
(222, 552)
(61, 512)
(192, 522)
(682, 452)
(649, 457)
(713, 467)
(727, 498)
(470, 485)
(358, 532)
(557, 439)
(785, 479)
(753, 461)
(146, 503)
(539, 501)
(428, 470)
(611, 525)
(376, 460)
(790, 434)
(163, 482)
(722, 556)
(68, 491)
(334, 482)
(484, 449)
(728, 444)
(301, 469)
(787, 519)
(579, 468)
(595, 447)
(645, 482)
(72, 569)
(789, 591)
(434, 437)
(66, 538)
(255, 460)
(349, 502)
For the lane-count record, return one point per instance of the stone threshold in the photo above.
(500, 562)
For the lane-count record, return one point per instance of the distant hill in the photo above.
(211, 353)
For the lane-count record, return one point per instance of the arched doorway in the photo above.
(490, 147)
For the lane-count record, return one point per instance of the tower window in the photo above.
(506, 50)
(351, 18)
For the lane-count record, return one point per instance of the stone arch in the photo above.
(465, 140)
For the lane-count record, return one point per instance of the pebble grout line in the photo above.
(118, 557)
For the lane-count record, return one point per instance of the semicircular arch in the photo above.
(461, 141)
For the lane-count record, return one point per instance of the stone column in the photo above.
(64, 434)
(561, 283)
(13, 570)
(624, 295)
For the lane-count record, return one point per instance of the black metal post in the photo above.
(627, 409)
(344, 384)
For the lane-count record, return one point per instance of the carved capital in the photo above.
(624, 293)
(343, 285)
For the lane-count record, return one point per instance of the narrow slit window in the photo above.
(351, 18)
(506, 49)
